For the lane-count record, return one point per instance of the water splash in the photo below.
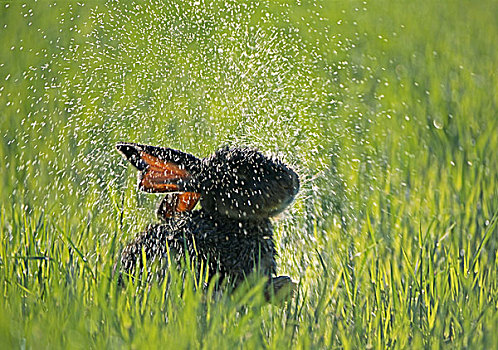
(193, 77)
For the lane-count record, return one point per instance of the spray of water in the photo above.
(189, 76)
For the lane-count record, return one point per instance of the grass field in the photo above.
(387, 109)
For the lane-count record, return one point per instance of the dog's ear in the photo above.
(175, 203)
(161, 169)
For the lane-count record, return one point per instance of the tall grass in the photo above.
(386, 109)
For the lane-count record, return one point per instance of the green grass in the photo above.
(388, 110)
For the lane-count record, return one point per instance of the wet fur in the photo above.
(240, 190)
(231, 248)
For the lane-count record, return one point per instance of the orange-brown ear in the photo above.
(162, 169)
(160, 175)
(175, 203)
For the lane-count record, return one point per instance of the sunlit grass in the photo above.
(386, 109)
